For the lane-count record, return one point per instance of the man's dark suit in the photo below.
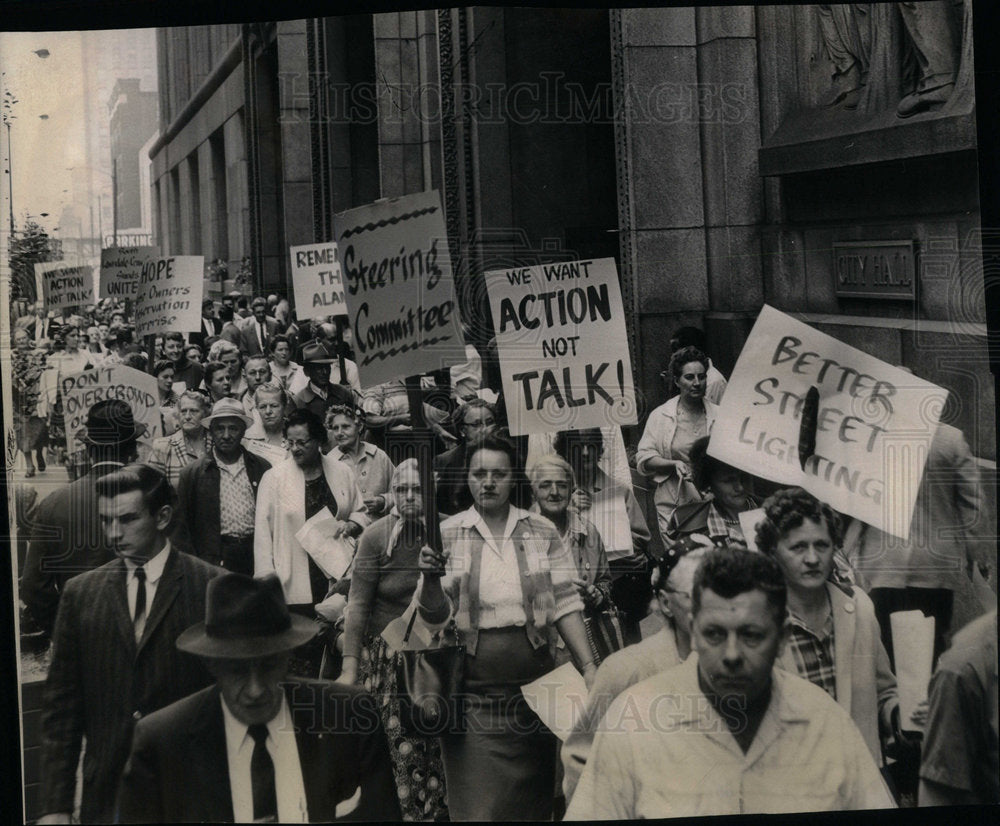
(249, 344)
(178, 770)
(66, 540)
(198, 510)
(100, 681)
(199, 337)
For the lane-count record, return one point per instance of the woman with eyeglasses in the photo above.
(673, 581)
(385, 575)
(664, 451)
(291, 493)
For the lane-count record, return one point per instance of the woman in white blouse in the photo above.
(507, 580)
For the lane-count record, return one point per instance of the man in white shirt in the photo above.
(113, 653)
(726, 732)
(258, 746)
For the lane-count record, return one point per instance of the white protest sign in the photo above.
(563, 351)
(316, 279)
(874, 422)
(169, 296)
(913, 652)
(120, 270)
(399, 288)
(81, 391)
(558, 698)
(65, 285)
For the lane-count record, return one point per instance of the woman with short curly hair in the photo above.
(834, 640)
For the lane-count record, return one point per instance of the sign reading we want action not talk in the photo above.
(563, 349)
(874, 421)
(399, 288)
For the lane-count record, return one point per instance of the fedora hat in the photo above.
(246, 618)
(227, 409)
(110, 422)
(315, 353)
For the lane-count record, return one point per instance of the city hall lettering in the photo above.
(874, 270)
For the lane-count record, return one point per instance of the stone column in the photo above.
(662, 205)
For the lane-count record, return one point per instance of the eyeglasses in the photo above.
(294, 443)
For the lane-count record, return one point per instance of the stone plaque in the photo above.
(875, 269)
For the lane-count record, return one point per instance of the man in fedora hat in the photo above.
(258, 746)
(113, 654)
(66, 536)
(320, 394)
(218, 493)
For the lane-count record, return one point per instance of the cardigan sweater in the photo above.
(382, 582)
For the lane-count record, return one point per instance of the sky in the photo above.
(63, 87)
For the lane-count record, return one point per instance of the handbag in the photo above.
(604, 633)
(428, 686)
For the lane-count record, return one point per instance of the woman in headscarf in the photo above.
(385, 575)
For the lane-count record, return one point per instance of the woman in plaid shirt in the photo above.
(834, 638)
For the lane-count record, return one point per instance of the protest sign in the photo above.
(563, 351)
(399, 288)
(913, 653)
(558, 698)
(64, 284)
(316, 279)
(169, 295)
(873, 422)
(81, 391)
(120, 270)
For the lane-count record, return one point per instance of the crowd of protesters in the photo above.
(720, 679)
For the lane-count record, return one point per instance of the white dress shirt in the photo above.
(281, 745)
(500, 595)
(154, 570)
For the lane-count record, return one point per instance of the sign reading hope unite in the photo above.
(169, 295)
(563, 351)
(399, 287)
(873, 426)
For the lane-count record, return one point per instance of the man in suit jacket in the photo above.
(210, 325)
(257, 331)
(218, 493)
(257, 745)
(66, 535)
(113, 658)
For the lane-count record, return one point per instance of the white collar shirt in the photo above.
(153, 569)
(500, 595)
(281, 745)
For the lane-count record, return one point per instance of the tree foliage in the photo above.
(29, 246)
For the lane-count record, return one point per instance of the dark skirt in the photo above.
(32, 433)
(416, 761)
(503, 766)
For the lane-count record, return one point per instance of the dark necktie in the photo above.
(265, 798)
(140, 597)
(263, 338)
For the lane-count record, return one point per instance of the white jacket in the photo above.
(281, 512)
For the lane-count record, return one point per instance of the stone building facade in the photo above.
(727, 157)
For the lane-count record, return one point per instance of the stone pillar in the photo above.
(295, 138)
(403, 134)
(729, 121)
(238, 207)
(206, 193)
(662, 205)
(190, 232)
